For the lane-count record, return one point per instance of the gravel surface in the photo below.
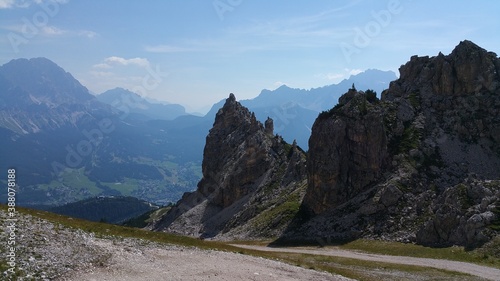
(50, 251)
(44, 250)
(131, 261)
(485, 272)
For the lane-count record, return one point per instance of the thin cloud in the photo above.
(13, 4)
(167, 49)
(334, 76)
(88, 33)
(311, 31)
(102, 74)
(52, 30)
(142, 62)
(7, 4)
(114, 60)
(102, 66)
(312, 27)
(338, 76)
(353, 71)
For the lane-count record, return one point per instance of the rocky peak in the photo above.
(235, 135)
(245, 167)
(30, 88)
(402, 167)
(457, 100)
(269, 126)
(347, 152)
(469, 69)
(45, 82)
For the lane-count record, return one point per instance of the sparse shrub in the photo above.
(329, 113)
(371, 96)
(409, 140)
(414, 100)
(495, 225)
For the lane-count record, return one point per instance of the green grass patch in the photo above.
(76, 180)
(281, 213)
(411, 250)
(126, 188)
(367, 270)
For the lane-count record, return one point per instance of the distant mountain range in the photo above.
(294, 110)
(132, 103)
(68, 144)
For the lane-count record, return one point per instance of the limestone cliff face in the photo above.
(347, 152)
(235, 155)
(422, 164)
(247, 172)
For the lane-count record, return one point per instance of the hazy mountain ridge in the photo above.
(66, 145)
(132, 103)
(38, 95)
(294, 110)
(322, 98)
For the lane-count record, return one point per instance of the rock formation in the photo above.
(347, 152)
(422, 164)
(419, 165)
(250, 178)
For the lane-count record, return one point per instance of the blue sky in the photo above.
(196, 52)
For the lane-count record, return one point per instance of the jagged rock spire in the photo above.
(269, 127)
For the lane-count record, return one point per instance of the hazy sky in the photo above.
(196, 52)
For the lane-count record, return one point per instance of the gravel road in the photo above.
(132, 261)
(488, 273)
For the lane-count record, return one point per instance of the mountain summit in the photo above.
(32, 88)
(43, 82)
(248, 174)
(419, 165)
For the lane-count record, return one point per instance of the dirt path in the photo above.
(463, 267)
(133, 262)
